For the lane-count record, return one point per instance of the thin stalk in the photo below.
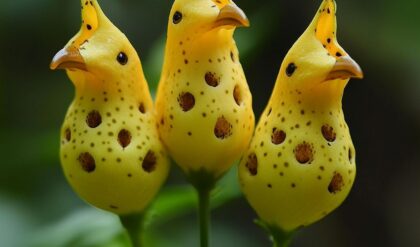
(204, 183)
(281, 240)
(133, 225)
(279, 237)
(204, 215)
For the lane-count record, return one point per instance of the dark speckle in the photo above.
(304, 153)
(278, 136)
(336, 184)
(93, 119)
(211, 79)
(328, 133)
(87, 162)
(149, 162)
(124, 138)
(186, 101)
(290, 69)
(252, 164)
(223, 128)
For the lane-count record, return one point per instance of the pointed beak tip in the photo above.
(246, 22)
(360, 76)
(54, 64)
(345, 68)
(68, 58)
(232, 15)
(355, 70)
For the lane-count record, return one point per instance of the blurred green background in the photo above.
(38, 209)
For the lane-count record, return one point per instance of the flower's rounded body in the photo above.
(204, 105)
(110, 150)
(301, 162)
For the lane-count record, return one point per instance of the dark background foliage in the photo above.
(37, 207)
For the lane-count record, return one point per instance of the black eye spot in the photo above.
(290, 69)
(122, 58)
(177, 17)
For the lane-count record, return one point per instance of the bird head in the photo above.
(98, 51)
(316, 61)
(192, 18)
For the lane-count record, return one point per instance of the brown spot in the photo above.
(87, 162)
(252, 164)
(269, 112)
(67, 134)
(93, 119)
(304, 153)
(211, 79)
(350, 155)
(237, 95)
(142, 109)
(186, 101)
(124, 138)
(278, 136)
(328, 133)
(336, 183)
(232, 56)
(223, 128)
(149, 162)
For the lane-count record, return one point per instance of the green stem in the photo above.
(204, 215)
(133, 224)
(204, 183)
(279, 237)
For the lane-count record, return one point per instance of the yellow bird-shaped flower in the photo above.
(110, 149)
(204, 105)
(301, 162)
